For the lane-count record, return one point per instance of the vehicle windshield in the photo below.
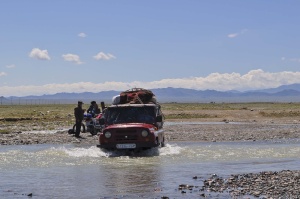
(130, 114)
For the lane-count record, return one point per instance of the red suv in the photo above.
(132, 126)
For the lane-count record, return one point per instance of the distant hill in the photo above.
(286, 93)
(295, 87)
(282, 94)
(78, 96)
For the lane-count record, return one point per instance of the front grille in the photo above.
(125, 131)
(126, 135)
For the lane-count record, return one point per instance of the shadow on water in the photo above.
(132, 153)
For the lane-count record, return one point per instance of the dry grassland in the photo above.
(49, 117)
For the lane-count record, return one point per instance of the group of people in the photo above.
(93, 109)
(79, 114)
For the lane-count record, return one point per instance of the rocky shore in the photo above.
(267, 184)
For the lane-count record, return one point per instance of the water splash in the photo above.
(170, 149)
(93, 151)
(44, 131)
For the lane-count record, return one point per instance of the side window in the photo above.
(156, 111)
(159, 111)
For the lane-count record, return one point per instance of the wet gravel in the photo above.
(59, 137)
(232, 131)
(266, 184)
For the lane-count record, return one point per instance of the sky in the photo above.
(48, 47)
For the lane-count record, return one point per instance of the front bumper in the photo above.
(138, 145)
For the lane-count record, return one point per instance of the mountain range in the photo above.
(285, 93)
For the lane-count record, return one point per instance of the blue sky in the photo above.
(75, 46)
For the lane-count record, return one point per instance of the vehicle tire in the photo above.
(157, 141)
(162, 144)
(71, 131)
(82, 129)
(93, 130)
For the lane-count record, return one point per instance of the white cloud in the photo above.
(233, 35)
(290, 59)
(82, 34)
(10, 66)
(254, 79)
(244, 31)
(295, 59)
(39, 54)
(2, 74)
(102, 55)
(72, 58)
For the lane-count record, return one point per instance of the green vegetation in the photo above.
(3, 131)
(35, 111)
(188, 116)
(280, 114)
(194, 106)
(35, 117)
(230, 106)
(221, 110)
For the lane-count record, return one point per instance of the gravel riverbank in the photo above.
(266, 184)
(174, 131)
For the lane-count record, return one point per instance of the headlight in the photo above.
(144, 133)
(107, 134)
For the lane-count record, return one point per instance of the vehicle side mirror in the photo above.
(159, 118)
(101, 121)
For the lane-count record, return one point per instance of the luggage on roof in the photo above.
(137, 96)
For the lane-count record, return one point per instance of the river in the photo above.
(76, 171)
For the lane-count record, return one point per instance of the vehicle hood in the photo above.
(130, 125)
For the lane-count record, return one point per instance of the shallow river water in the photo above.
(73, 171)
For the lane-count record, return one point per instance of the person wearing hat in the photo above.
(78, 112)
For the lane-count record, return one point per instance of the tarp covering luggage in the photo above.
(137, 96)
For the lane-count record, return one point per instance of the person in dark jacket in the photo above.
(93, 109)
(78, 113)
